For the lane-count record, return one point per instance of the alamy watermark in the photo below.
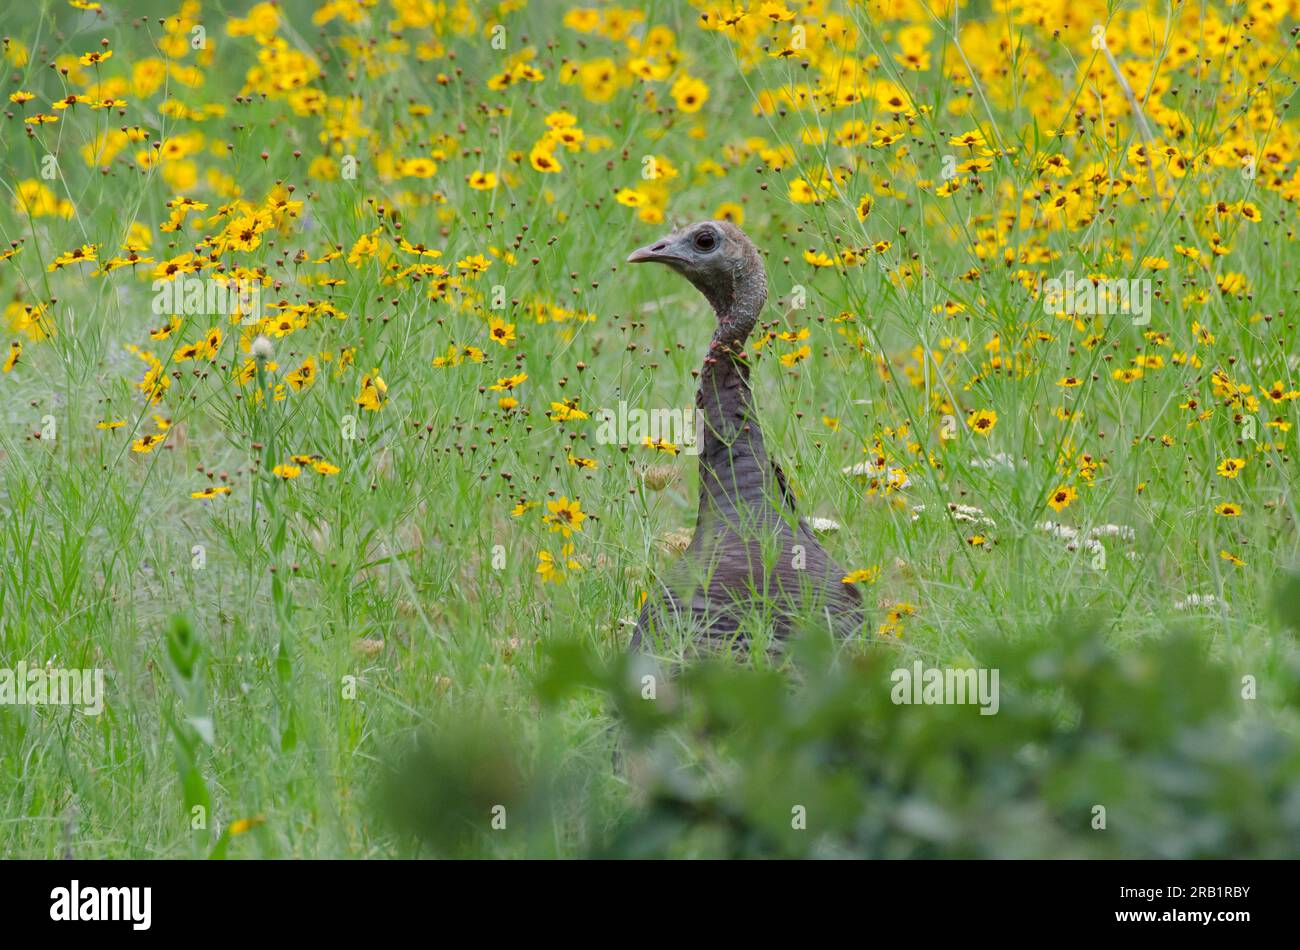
(189, 296)
(946, 686)
(1103, 296)
(671, 430)
(52, 686)
(78, 902)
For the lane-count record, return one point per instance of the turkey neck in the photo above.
(735, 473)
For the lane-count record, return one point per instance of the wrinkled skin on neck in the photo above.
(737, 295)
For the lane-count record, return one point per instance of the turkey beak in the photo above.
(658, 251)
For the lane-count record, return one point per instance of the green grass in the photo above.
(334, 618)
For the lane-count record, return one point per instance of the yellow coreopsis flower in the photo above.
(564, 516)
(501, 332)
(552, 569)
(543, 160)
(506, 383)
(982, 421)
(373, 393)
(1231, 467)
(798, 356)
(1061, 498)
(660, 445)
(689, 94)
(210, 492)
(566, 411)
(86, 254)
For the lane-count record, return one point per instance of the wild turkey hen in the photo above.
(751, 556)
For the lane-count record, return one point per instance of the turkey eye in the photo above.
(704, 241)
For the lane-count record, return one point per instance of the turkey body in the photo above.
(726, 579)
(752, 563)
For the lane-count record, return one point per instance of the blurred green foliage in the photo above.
(1188, 756)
